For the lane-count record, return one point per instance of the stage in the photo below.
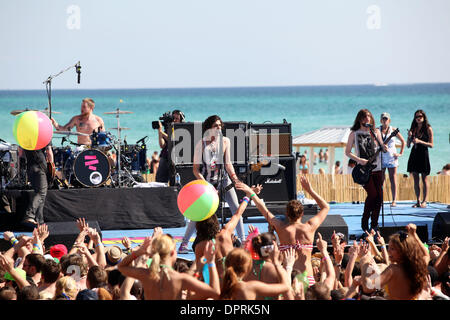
(113, 208)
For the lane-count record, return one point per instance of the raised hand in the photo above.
(157, 232)
(82, 224)
(210, 251)
(43, 232)
(305, 184)
(354, 250)
(411, 228)
(7, 235)
(257, 189)
(321, 244)
(380, 239)
(243, 187)
(146, 246)
(289, 257)
(126, 242)
(275, 253)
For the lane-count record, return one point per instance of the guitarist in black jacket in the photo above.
(366, 144)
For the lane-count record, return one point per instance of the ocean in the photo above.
(307, 108)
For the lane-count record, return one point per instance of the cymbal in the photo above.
(70, 133)
(19, 111)
(121, 128)
(118, 112)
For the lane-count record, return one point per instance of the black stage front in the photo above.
(113, 208)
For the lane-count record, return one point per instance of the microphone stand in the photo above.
(48, 86)
(381, 164)
(221, 177)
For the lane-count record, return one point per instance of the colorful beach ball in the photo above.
(198, 200)
(32, 130)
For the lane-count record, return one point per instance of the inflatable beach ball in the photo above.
(198, 200)
(32, 130)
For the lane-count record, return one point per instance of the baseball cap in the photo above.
(385, 115)
(58, 250)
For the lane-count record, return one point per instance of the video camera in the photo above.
(167, 118)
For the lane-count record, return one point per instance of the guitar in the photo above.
(51, 171)
(361, 173)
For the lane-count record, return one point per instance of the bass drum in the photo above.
(91, 168)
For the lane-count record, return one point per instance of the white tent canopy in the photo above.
(325, 137)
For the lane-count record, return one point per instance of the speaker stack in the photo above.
(260, 153)
(441, 226)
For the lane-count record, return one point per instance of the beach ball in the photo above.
(32, 130)
(198, 200)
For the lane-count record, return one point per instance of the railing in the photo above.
(341, 188)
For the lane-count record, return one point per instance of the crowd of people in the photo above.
(290, 262)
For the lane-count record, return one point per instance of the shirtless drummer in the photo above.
(86, 122)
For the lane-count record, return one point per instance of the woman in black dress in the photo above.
(421, 136)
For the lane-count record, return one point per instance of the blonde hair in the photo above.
(68, 286)
(90, 102)
(162, 246)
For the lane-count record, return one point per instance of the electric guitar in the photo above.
(361, 173)
(51, 171)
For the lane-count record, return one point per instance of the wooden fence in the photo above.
(341, 188)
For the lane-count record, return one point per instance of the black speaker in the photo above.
(441, 225)
(280, 186)
(182, 140)
(386, 232)
(333, 222)
(66, 232)
(186, 173)
(236, 131)
(183, 137)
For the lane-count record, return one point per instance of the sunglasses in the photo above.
(419, 116)
(384, 118)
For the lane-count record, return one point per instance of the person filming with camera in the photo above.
(163, 173)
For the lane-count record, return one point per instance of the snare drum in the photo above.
(91, 168)
(101, 141)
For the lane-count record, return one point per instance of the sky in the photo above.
(218, 43)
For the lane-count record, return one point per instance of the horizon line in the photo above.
(380, 84)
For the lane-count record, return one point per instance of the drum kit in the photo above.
(106, 162)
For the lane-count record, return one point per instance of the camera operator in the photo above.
(163, 173)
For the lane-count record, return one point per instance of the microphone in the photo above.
(141, 140)
(78, 69)
(367, 125)
(63, 140)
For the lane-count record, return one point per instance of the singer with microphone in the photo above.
(211, 157)
(86, 122)
(365, 138)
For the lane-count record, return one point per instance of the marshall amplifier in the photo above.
(270, 140)
(278, 180)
